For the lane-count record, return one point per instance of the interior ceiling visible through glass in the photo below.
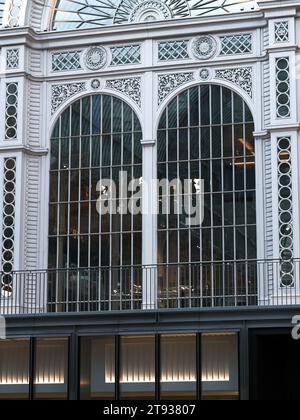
(73, 14)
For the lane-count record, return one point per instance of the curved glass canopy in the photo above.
(74, 14)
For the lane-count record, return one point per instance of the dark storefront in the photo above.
(155, 355)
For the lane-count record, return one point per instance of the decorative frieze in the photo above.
(130, 87)
(240, 76)
(167, 83)
(60, 93)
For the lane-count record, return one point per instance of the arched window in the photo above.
(70, 14)
(207, 133)
(94, 139)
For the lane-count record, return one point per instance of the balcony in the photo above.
(171, 286)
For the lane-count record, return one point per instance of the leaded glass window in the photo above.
(94, 139)
(71, 14)
(207, 133)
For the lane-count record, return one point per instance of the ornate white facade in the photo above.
(252, 50)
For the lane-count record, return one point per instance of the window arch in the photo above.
(94, 139)
(206, 133)
(69, 14)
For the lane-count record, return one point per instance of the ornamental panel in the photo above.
(12, 58)
(241, 76)
(8, 226)
(204, 47)
(125, 54)
(95, 58)
(11, 111)
(173, 50)
(167, 83)
(282, 31)
(236, 44)
(66, 61)
(131, 87)
(60, 93)
(283, 93)
(285, 212)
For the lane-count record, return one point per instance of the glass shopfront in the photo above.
(165, 367)
(14, 369)
(138, 367)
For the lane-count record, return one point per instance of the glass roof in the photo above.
(72, 14)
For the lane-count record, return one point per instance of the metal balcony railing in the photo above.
(195, 285)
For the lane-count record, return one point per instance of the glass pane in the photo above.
(51, 369)
(137, 368)
(178, 367)
(14, 369)
(220, 367)
(97, 368)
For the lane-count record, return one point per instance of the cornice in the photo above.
(25, 149)
(154, 30)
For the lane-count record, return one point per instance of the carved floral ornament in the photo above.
(95, 58)
(131, 87)
(241, 77)
(204, 47)
(61, 93)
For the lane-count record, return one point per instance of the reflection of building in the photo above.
(156, 306)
